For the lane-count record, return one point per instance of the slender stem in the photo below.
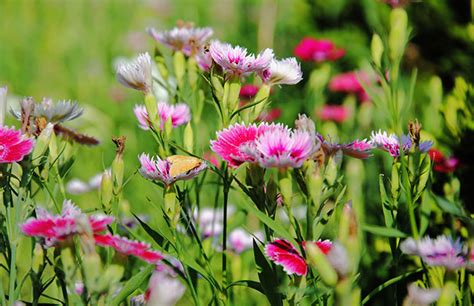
(224, 234)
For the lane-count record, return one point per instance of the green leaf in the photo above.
(386, 204)
(267, 277)
(384, 231)
(278, 228)
(133, 284)
(449, 207)
(248, 283)
(388, 283)
(425, 169)
(151, 232)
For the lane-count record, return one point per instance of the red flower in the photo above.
(441, 163)
(318, 50)
(283, 253)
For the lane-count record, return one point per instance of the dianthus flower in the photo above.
(392, 144)
(137, 74)
(56, 228)
(282, 72)
(349, 83)
(171, 169)
(179, 114)
(127, 247)
(360, 149)
(282, 148)
(318, 50)
(283, 253)
(186, 39)
(164, 286)
(336, 113)
(13, 145)
(236, 62)
(248, 91)
(442, 251)
(441, 163)
(58, 112)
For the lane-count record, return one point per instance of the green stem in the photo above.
(224, 234)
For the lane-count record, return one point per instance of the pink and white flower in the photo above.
(282, 72)
(128, 247)
(56, 228)
(420, 296)
(442, 251)
(162, 170)
(283, 253)
(136, 74)
(179, 114)
(392, 144)
(236, 62)
(336, 113)
(203, 59)
(185, 39)
(241, 240)
(281, 147)
(13, 145)
(318, 50)
(164, 287)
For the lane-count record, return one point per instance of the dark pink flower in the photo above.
(337, 113)
(13, 145)
(55, 228)
(127, 247)
(441, 163)
(230, 141)
(318, 50)
(248, 91)
(349, 82)
(283, 253)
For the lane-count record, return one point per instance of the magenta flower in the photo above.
(283, 253)
(248, 91)
(442, 251)
(56, 228)
(185, 39)
(349, 83)
(282, 72)
(230, 141)
(171, 169)
(236, 62)
(13, 145)
(203, 59)
(441, 163)
(128, 247)
(281, 147)
(318, 50)
(179, 114)
(336, 113)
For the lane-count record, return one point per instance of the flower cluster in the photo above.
(318, 50)
(13, 145)
(171, 169)
(441, 163)
(283, 253)
(442, 251)
(269, 145)
(179, 114)
(56, 228)
(392, 144)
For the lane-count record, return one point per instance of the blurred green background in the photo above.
(66, 50)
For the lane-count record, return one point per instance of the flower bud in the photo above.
(188, 137)
(179, 64)
(160, 63)
(398, 35)
(42, 143)
(92, 271)
(68, 262)
(262, 96)
(172, 208)
(38, 258)
(117, 164)
(106, 190)
(286, 188)
(110, 277)
(230, 100)
(193, 75)
(53, 149)
(318, 261)
(376, 47)
(151, 107)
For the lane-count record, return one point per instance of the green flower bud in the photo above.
(193, 74)
(286, 188)
(230, 101)
(92, 271)
(179, 64)
(38, 258)
(261, 97)
(106, 190)
(152, 110)
(376, 47)
(320, 263)
(68, 262)
(188, 137)
(111, 277)
(42, 143)
(172, 208)
(398, 35)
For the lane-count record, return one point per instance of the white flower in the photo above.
(136, 74)
(286, 71)
(185, 39)
(420, 297)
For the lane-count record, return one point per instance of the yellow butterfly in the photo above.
(180, 164)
